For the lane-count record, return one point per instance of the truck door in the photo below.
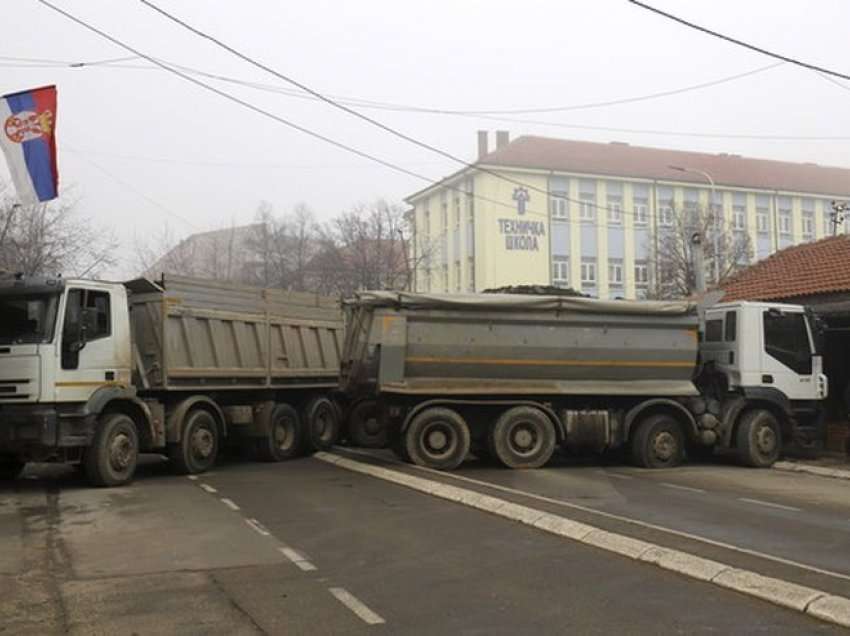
(87, 352)
(787, 354)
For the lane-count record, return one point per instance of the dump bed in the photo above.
(495, 344)
(192, 333)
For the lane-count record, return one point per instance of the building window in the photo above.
(558, 207)
(641, 212)
(808, 227)
(588, 273)
(762, 221)
(615, 273)
(739, 218)
(470, 274)
(560, 271)
(457, 212)
(457, 276)
(444, 210)
(665, 215)
(615, 210)
(445, 278)
(587, 206)
(426, 280)
(785, 223)
(641, 274)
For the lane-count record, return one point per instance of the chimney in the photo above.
(503, 138)
(482, 143)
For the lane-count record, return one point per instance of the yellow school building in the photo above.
(587, 215)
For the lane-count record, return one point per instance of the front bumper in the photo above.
(35, 427)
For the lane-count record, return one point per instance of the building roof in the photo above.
(802, 270)
(623, 160)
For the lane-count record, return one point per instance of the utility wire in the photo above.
(376, 105)
(270, 115)
(752, 47)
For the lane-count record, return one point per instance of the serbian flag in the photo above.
(28, 138)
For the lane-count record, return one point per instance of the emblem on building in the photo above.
(521, 197)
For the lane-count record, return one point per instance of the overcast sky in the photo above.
(180, 156)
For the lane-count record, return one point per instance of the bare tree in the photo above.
(364, 248)
(672, 246)
(52, 238)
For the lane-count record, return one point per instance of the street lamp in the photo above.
(716, 259)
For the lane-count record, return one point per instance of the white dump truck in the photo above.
(511, 376)
(94, 372)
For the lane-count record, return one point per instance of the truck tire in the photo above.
(365, 428)
(759, 438)
(522, 437)
(284, 438)
(321, 423)
(658, 442)
(10, 468)
(198, 447)
(437, 438)
(112, 457)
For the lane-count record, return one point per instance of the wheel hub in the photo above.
(523, 439)
(203, 443)
(664, 446)
(283, 434)
(438, 440)
(121, 452)
(372, 426)
(766, 440)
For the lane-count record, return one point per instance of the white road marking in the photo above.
(770, 504)
(356, 605)
(617, 475)
(209, 489)
(229, 503)
(616, 517)
(256, 525)
(192, 477)
(298, 559)
(667, 484)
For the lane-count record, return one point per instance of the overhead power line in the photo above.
(270, 115)
(388, 106)
(746, 45)
(382, 105)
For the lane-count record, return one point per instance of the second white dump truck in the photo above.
(94, 372)
(512, 376)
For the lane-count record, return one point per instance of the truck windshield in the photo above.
(27, 318)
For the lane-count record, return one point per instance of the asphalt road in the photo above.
(305, 547)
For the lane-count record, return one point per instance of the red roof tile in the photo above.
(822, 267)
(624, 160)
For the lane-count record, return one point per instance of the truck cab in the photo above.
(63, 342)
(768, 352)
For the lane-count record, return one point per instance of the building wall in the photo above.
(471, 234)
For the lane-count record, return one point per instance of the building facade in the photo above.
(588, 215)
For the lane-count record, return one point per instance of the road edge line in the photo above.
(815, 603)
(820, 471)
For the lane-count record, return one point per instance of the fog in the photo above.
(144, 148)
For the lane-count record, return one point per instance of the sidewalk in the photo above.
(823, 467)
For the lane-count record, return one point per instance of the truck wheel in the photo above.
(284, 437)
(10, 468)
(198, 448)
(365, 428)
(321, 422)
(522, 437)
(658, 442)
(437, 438)
(759, 439)
(112, 457)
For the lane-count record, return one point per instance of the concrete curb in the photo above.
(820, 471)
(816, 603)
